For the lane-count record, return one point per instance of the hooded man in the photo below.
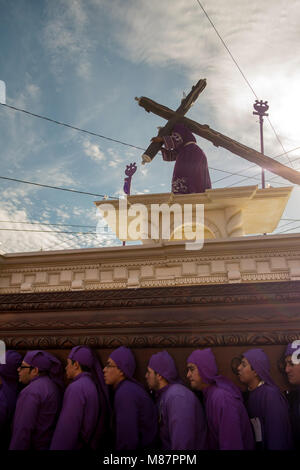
(39, 402)
(229, 427)
(181, 418)
(292, 369)
(134, 410)
(9, 379)
(84, 416)
(267, 407)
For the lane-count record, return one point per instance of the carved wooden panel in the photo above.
(193, 316)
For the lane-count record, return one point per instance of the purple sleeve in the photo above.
(127, 431)
(24, 420)
(228, 424)
(67, 432)
(169, 155)
(181, 420)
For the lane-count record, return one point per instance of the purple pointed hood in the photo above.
(125, 360)
(9, 371)
(85, 356)
(163, 364)
(260, 363)
(46, 362)
(205, 361)
(290, 349)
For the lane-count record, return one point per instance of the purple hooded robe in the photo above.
(134, 410)
(85, 411)
(268, 405)
(8, 395)
(38, 404)
(181, 417)
(228, 423)
(293, 397)
(190, 173)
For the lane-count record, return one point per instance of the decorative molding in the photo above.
(148, 341)
(165, 272)
(238, 294)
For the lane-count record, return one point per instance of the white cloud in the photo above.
(66, 37)
(263, 38)
(93, 151)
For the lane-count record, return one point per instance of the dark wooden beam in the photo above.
(185, 105)
(221, 140)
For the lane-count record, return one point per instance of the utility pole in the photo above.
(260, 110)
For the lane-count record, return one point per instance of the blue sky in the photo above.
(83, 62)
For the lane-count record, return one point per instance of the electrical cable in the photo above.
(239, 68)
(70, 126)
(57, 187)
(42, 223)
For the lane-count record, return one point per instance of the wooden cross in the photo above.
(203, 130)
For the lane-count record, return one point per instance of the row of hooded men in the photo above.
(41, 416)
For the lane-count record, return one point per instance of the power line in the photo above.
(115, 140)
(255, 166)
(284, 231)
(42, 223)
(57, 187)
(277, 137)
(70, 126)
(286, 224)
(105, 195)
(239, 68)
(239, 174)
(295, 220)
(44, 231)
(226, 47)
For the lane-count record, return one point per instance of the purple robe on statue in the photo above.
(268, 405)
(190, 173)
(8, 394)
(38, 404)
(181, 417)
(85, 411)
(135, 413)
(229, 427)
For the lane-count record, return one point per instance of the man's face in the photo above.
(152, 379)
(292, 371)
(194, 377)
(25, 372)
(112, 374)
(70, 369)
(245, 372)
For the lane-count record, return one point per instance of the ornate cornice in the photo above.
(50, 342)
(193, 316)
(266, 292)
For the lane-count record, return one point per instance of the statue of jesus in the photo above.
(190, 173)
